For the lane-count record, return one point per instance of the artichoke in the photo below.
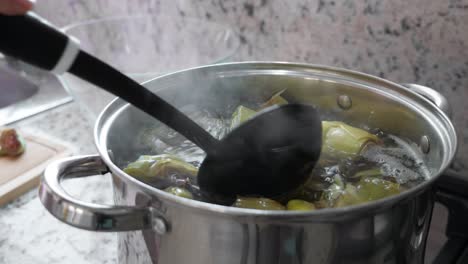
(372, 188)
(258, 203)
(375, 172)
(330, 195)
(178, 191)
(160, 166)
(240, 115)
(11, 144)
(340, 140)
(349, 197)
(276, 99)
(300, 205)
(368, 189)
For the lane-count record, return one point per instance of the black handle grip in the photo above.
(29, 39)
(453, 183)
(452, 192)
(97, 72)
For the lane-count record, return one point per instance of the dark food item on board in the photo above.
(11, 143)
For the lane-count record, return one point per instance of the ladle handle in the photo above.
(35, 41)
(99, 73)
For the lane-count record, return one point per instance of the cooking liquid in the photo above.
(396, 160)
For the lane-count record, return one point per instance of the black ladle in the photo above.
(267, 155)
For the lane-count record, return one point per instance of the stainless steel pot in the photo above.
(163, 228)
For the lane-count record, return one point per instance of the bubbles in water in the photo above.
(188, 152)
(398, 160)
(166, 140)
(215, 124)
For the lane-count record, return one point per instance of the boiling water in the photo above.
(399, 160)
(164, 140)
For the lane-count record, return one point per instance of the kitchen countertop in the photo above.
(28, 233)
(417, 42)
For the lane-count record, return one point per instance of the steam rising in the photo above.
(210, 98)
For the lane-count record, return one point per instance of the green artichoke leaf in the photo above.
(179, 191)
(159, 166)
(240, 115)
(300, 205)
(258, 203)
(340, 140)
(276, 99)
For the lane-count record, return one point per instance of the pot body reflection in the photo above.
(394, 235)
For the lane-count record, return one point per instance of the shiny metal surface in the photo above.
(391, 235)
(87, 215)
(425, 144)
(344, 102)
(50, 92)
(391, 230)
(437, 98)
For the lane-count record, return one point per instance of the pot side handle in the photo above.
(91, 216)
(434, 96)
(451, 191)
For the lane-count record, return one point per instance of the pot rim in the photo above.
(242, 212)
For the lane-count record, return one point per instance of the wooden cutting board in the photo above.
(20, 174)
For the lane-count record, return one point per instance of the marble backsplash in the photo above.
(418, 41)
